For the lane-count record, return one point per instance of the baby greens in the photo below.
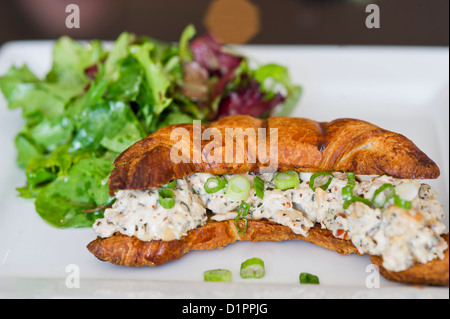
(96, 102)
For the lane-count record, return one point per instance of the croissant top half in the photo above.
(303, 145)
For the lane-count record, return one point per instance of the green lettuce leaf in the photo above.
(111, 125)
(22, 89)
(71, 58)
(94, 103)
(65, 202)
(157, 82)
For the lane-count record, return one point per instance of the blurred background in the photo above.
(403, 22)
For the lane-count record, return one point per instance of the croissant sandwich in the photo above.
(345, 185)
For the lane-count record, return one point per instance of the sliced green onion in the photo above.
(287, 180)
(243, 210)
(347, 191)
(222, 275)
(320, 174)
(258, 185)
(351, 180)
(306, 278)
(238, 188)
(402, 203)
(166, 198)
(215, 184)
(253, 268)
(355, 199)
(171, 185)
(389, 192)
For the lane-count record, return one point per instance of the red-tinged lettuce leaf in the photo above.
(92, 71)
(212, 56)
(196, 82)
(210, 71)
(249, 100)
(232, 87)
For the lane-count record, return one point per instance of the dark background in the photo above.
(403, 22)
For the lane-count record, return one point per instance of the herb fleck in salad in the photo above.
(94, 103)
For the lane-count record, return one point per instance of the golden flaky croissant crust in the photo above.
(132, 252)
(304, 145)
(434, 273)
(347, 145)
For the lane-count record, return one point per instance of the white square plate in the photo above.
(400, 89)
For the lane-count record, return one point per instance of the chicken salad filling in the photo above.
(398, 219)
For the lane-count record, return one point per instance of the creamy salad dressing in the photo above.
(400, 236)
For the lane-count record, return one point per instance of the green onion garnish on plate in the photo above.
(253, 268)
(306, 278)
(221, 275)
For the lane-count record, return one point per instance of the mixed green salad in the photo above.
(96, 102)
